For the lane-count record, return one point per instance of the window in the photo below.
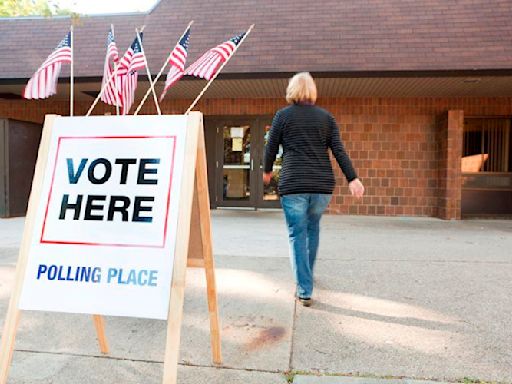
(487, 145)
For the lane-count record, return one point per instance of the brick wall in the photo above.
(407, 160)
(450, 127)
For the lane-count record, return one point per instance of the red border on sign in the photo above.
(43, 241)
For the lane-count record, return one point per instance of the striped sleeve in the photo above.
(274, 139)
(338, 150)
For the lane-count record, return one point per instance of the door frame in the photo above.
(260, 203)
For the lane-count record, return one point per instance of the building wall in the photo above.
(403, 152)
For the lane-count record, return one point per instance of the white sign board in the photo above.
(105, 231)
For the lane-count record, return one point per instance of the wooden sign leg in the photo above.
(203, 201)
(99, 324)
(13, 312)
(181, 252)
(8, 339)
(195, 245)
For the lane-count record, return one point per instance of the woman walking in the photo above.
(306, 181)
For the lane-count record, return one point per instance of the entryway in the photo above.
(235, 149)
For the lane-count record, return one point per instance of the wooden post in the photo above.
(99, 324)
(151, 84)
(203, 200)
(118, 101)
(181, 251)
(13, 312)
(72, 79)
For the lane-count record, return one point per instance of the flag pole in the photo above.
(220, 69)
(115, 73)
(161, 71)
(152, 87)
(105, 64)
(72, 80)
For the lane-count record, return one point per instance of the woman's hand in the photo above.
(267, 176)
(356, 188)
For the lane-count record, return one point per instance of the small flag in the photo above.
(44, 82)
(177, 61)
(208, 64)
(130, 63)
(111, 89)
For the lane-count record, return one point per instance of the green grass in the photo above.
(472, 380)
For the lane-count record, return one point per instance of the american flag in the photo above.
(44, 82)
(177, 61)
(130, 63)
(208, 64)
(111, 90)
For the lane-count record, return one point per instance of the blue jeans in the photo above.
(303, 212)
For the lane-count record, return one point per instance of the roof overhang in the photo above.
(476, 83)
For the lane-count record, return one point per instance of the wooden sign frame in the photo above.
(193, 248)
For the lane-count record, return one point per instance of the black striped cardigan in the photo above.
(306, 133)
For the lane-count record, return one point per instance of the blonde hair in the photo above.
(301, 88)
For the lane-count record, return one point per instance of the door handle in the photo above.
(252, 164)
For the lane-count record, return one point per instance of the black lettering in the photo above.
(123, 208)
(143, 171)
(108, 171)
(90, 206)
(65, 205)
(125, 163)
(138, 208)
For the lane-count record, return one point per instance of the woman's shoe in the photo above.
(305, 301)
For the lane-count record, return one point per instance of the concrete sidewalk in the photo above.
(395, 297)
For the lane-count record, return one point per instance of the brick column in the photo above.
(450, 127)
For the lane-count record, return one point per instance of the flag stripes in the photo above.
(132, 61)
(209, 63)
(44, 81)
(120, 73)
(111, 89)
(177, 60)
(129, 84)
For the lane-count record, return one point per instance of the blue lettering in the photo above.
(141, 277)
(59, 274)
(74, 177)
(52, 272)
(86, 274)
(79, 274)
(96, 275)
(42, 269)
(141, 280)
(131, 278)
(152, 278)
(68, 276)
(112, 272)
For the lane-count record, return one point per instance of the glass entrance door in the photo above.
(236, 186)
(239, 163)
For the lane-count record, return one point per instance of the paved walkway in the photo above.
(395, 298)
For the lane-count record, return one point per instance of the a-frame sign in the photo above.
(116, 202)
